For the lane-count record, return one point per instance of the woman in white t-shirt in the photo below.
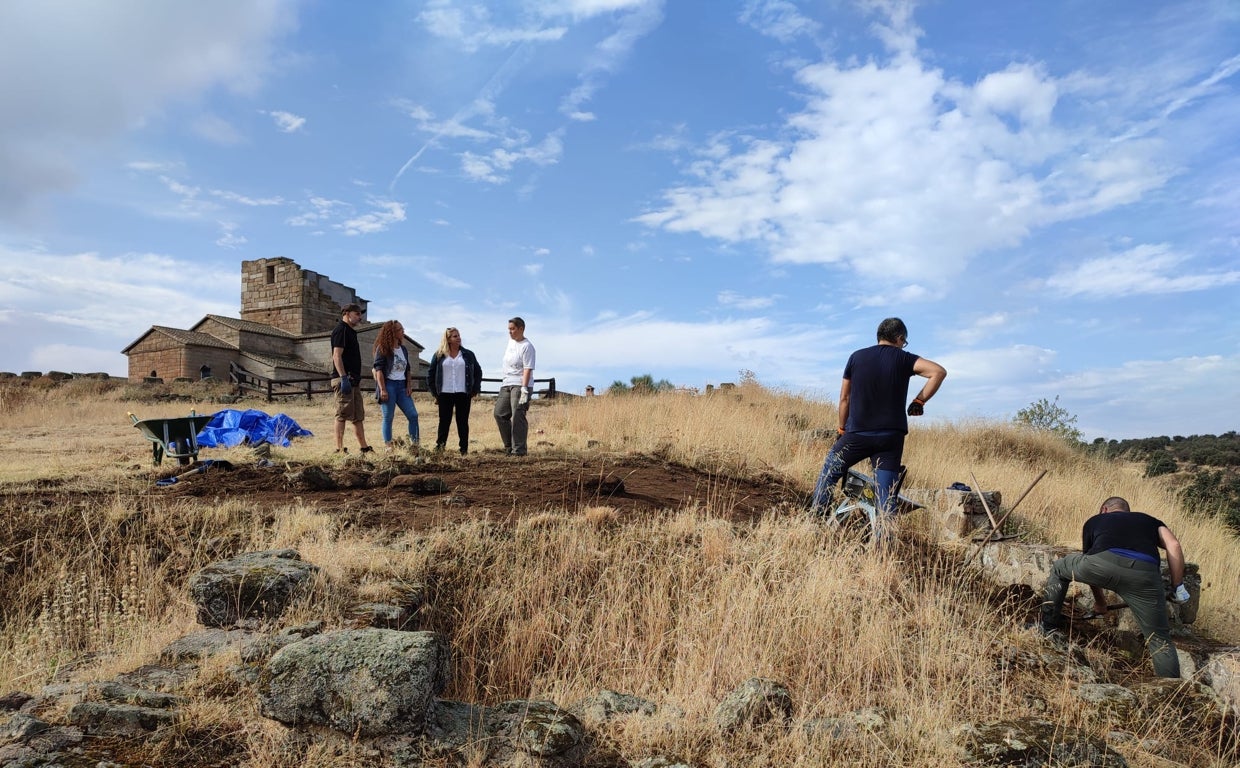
(393, 382)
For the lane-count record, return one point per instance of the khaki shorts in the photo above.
(349, 407)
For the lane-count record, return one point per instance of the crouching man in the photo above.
(1119, 552)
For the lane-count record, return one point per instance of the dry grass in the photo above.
(678, 609)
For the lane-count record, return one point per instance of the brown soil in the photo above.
(405, 492)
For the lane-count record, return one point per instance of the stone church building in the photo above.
(284, 332)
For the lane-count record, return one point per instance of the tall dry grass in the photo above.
(677, 608)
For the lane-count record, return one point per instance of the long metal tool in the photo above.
(1003, 519)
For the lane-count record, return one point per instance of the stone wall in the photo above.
(157, 353)
(278, 292)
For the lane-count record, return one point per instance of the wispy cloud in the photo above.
(734, 299)
(229, 237)
(287, 122)
(317, 211)
(642, 17)
(779, 19)
(472, 27)
(1145, 269)
(495, 165)
(253, 202)
(385, 214)
(217, 130)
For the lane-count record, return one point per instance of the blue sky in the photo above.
(1046, 192)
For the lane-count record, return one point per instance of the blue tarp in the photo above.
(230, 427)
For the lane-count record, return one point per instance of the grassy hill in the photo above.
(677, 606)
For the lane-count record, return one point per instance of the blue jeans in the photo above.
(398, 397)
(884, 450)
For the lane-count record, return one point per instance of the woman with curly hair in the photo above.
(393, 382)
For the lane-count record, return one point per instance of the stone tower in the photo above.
(278, 292)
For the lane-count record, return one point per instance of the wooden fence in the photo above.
(271, 389)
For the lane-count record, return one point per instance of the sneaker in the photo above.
(368, 449)
(342, 450)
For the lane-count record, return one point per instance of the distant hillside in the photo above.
(1204, 469)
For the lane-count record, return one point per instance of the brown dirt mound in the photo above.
(403, 492)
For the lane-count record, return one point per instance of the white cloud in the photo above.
(75, 77)
(532, 269)
(472, 26)
(287, 121)
(642, 18)
(253, 202)
(734, 299)
(896, 172)
(152, 166)
(1145, 269)
(779, 19)
(386, 213)
(217, 130)
(494, 166)
(316, 211)
(980, 328)
(229, 237)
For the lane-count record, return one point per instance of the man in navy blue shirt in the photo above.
(872, 418)
(1119, 552)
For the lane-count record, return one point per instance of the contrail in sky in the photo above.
(493, 88)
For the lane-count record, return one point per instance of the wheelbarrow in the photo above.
(176, 438)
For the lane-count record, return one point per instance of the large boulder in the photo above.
(256, 585)
(364, 682)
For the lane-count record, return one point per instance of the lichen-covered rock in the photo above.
(1034, 743)
(107, 719)
(366, 682)
(1108, 699)
(514, 733)
(206, 643)
(254, 585)
(606, 705)
(755, 702)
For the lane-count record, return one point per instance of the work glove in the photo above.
(524, 399)
(346, 386)
(1180, 595)
(917, 407)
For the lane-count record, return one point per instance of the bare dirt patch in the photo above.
(406, 492)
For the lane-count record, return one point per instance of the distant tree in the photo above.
(1048, 416)
(1215, 494)
(1161, 464)
(747, 378)
(641, 385)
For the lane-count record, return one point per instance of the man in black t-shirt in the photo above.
(347, 376)
(1119, 552)
(872, 418)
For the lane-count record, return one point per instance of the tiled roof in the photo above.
(193, 338)
(292, 363)
(248, 325)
